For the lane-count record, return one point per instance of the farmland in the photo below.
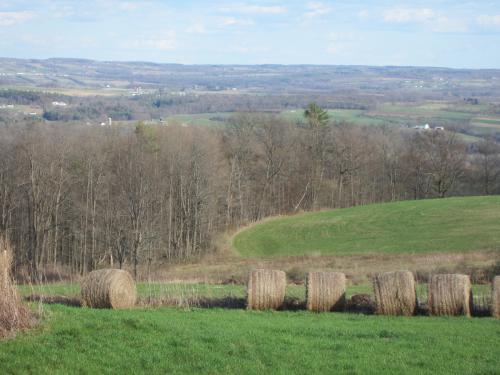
(450, 225)
(459, 100)
(190, 316)
(255, 187)
(213, 341)
(204, 328)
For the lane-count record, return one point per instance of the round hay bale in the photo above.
(266, 289)
(109, 288)
(450, 294)
(495, 298)
(395, 293)
(325, 291)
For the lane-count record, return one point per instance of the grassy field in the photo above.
(354, 116)
(400, 114)
(193, 340)
(221, 341)
(202, 119)
(435, 225)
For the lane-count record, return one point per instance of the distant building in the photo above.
(137, 91)
(473, 101)
(59, 104)
(422, 127)
(427, 127)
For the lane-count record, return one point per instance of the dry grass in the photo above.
(13, 314)
(450, 294)
(109, 288)
(495, 298)
(359, 269)
(266, 289)
(325, 291)
(395, 293)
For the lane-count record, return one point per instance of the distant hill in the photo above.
(429, 82)
(434, 225)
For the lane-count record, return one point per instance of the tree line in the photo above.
(78, 198)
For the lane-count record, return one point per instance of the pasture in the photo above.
(413, 227)
(224, 341)
(203, 328)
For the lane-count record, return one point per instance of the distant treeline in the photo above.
(162, 104)
(82, 197)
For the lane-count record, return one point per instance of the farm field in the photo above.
(202, 119)
(398, 115)
(435, 225)
(355, 116)
(407, 114)
(222, 341)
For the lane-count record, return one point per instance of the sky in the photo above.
(458, 34)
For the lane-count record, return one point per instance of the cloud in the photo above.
(197, 28)
(405, 15)
(128, 6)
(233, 21)
(316, 9)
(245, 49)
(364, 14)
(166, 41)
(255, 9)
(61, 41)
(443, 24)
(342, 43)
(13, 18)
(493, 20)
(436, 22)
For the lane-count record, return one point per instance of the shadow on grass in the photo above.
(61, 300)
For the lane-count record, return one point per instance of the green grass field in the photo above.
(221, 341)
(391, 114)
(193, 340)
(434, 225)
(201, 119)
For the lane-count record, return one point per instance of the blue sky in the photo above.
(422, 33)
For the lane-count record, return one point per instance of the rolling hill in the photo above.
(433, 225)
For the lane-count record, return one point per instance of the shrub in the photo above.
(13, 314)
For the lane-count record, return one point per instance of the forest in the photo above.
(75, 198)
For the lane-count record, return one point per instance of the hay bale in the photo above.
(450, 294)
(495, 298)
(109, 288)
(395, 293)
(325, 291)
(266, 289)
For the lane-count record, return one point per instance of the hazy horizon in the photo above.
(242, 64)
